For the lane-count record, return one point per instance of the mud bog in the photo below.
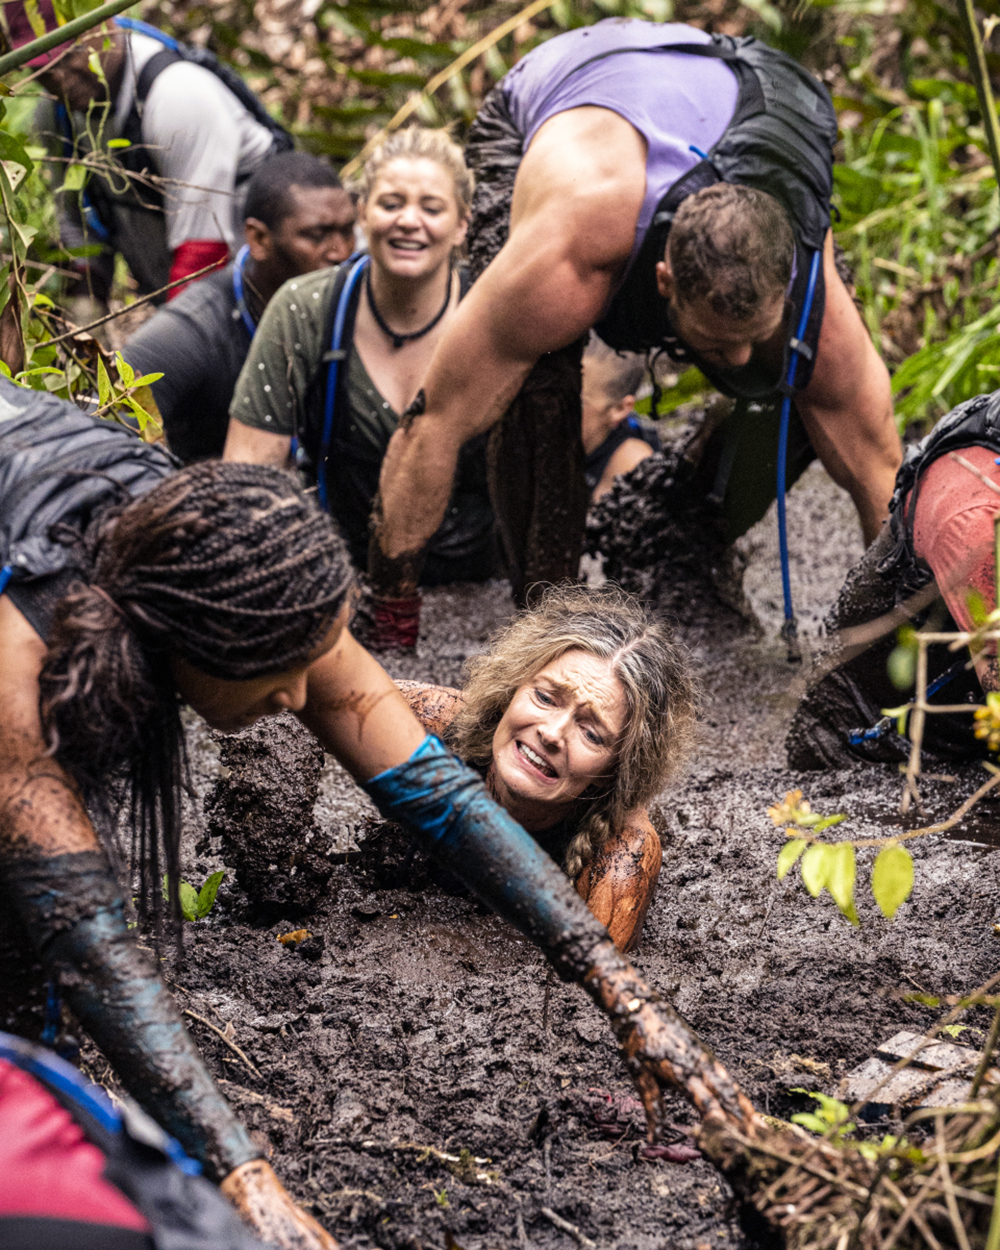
(419, 1079)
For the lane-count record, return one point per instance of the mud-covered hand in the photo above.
(266, 1206)
(385, 624)
(661, 1049)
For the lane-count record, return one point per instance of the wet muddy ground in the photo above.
(420, 1080)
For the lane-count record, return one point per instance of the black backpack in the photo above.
(780, 140)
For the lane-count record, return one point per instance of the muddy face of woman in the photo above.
(558, 737)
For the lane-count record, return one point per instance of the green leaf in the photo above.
(892, 879)
(74, 177)
(125, 370)
(841, 877)
(104, 390)
(207, 893)
(789, 854)
(812, 1122)
(12, 149)
(188, 900)
(828, 822)
(147, 379)
(902, 667)
(816, 868)
(119, 143)
(953, 1030)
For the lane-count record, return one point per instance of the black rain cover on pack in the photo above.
(57, 464)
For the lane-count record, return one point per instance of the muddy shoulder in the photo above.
(415, 1073)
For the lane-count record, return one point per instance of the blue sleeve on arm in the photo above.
(447, 805)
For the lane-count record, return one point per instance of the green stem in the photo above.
(980, 74)
(64, 34)
(993, 1236)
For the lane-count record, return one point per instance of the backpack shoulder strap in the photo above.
(152, 70)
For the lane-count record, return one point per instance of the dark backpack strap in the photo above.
(155, 66)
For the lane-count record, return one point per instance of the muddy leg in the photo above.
(536, 475)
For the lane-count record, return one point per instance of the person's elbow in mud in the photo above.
(619, 883)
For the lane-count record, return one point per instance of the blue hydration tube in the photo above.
(335, 355)
(144, 28)
(241, 304)
(857, 736)
(790, 629)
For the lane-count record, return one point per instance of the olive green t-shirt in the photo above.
(272, 392)
(285, 354)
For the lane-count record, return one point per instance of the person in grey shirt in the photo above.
(298, 219)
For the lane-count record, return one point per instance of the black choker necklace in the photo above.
(399, 339)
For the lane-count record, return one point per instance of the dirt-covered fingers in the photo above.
(264, 1204)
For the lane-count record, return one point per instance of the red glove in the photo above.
(195, 254)
(381, 624)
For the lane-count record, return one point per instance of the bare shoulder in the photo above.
(584, 173)
(434, 706)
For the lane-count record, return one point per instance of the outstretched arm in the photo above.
(434, 706)
(58, 880)
(576, 202)
(847, 406)
(619, 882)
(360, 716)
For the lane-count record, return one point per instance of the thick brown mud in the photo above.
(421, 1080)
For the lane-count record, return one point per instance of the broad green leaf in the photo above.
(188, 901)
(147, 379)
(840, 878)
(12, 149)
(104, 391)
(892, 879)
(816, 868)
(5, 369)
(74, 178)
(789, 854)
(125, 370)
(207, 893)
(953, 1030)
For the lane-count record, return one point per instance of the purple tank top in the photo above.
(675, 101)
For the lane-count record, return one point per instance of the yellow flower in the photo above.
(792, 811)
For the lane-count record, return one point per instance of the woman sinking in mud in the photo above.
(130, 589)
(575, 717)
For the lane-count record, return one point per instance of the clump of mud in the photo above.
(262, 808)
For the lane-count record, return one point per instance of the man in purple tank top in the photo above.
(672, 190)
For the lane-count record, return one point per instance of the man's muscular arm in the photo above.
(847, 406)
(576, 203)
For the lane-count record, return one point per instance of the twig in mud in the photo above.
(522, 1236)
(222, 1037)
(570, 1229)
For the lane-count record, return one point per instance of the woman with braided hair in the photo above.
(577, 714)
(128, 589)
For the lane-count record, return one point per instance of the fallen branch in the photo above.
(569, 1228)
(225, 1040)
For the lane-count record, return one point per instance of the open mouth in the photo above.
(536, 760)
(407, 245)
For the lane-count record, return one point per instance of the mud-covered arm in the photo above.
(619, 882)
(57, 880)
(575, 205)
(434, 706)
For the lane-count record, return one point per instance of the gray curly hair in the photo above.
(654, 672)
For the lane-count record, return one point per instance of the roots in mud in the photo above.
(817, 1195)
(262, 807)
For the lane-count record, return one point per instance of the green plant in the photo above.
(831, 1120)
(196, 904)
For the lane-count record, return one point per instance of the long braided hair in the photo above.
(228, 566)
